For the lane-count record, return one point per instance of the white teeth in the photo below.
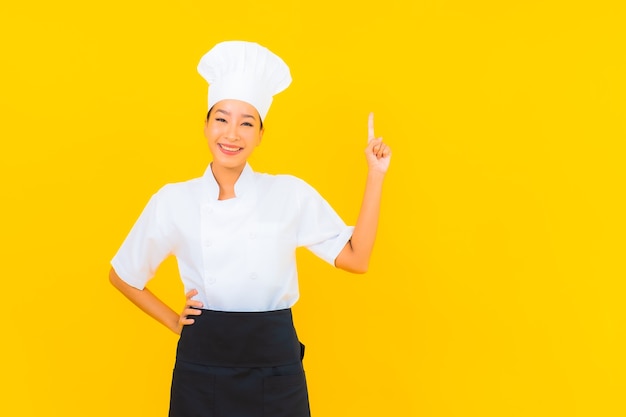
(230, 148)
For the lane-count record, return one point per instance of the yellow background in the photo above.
(497, 284)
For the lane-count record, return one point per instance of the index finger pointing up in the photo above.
(370, 127)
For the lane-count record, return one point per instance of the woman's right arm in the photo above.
(154, 307)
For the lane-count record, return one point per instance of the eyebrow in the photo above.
(228, 114)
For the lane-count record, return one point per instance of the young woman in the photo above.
(234, 233)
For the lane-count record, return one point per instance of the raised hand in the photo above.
(377, 153)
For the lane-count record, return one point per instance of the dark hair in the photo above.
(209, 115)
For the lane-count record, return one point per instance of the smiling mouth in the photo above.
(229, 150)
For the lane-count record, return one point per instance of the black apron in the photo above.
(239, 365)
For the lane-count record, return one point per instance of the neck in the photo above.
(226, 179)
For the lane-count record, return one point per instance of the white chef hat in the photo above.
(244, 71)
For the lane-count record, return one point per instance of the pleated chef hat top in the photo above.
(244, 71)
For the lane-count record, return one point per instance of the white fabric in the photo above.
(244, 71)
(238, 253)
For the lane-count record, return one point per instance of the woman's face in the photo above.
(232, 130)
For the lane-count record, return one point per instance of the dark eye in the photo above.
(247, 124)
(220, 119)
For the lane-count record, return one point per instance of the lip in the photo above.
(230, 150)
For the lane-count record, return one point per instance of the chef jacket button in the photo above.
(207, 243)
(253, 276)
(211, 280)
(252, 235)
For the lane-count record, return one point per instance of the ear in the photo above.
(206, 129)
(260, 136)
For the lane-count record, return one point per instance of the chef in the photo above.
(234, 233)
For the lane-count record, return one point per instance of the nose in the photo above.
(231, 134)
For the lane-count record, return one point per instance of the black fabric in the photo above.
(239, 365)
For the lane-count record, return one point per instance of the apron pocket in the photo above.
(192, 394)
(285, 396)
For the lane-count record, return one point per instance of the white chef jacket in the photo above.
(238, 253)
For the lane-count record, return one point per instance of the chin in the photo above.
(229, 163)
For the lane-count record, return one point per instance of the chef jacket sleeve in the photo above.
(145, 247)
(321, 229)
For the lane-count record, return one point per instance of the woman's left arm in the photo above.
(355, 256)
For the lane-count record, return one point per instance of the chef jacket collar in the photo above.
(243, 185)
